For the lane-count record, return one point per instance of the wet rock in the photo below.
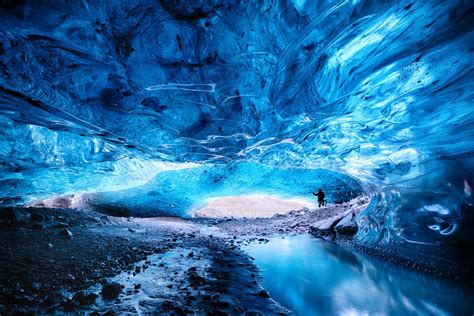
(47, 302)
(264, 294)
(18, 216)
(36, 217)
(221, 304)
(195, 279)
(68, 306)
(325, 228)
(137, 286)
(111, 291)
(347, 227)
(66, 233)
(84, 298)
(191, 254)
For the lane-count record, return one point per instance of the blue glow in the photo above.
(315, 277)
(117, 99)
(177, 192)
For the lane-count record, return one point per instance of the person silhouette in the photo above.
(321, 197)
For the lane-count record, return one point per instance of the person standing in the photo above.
(321, 197)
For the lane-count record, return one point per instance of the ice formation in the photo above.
(142, 102)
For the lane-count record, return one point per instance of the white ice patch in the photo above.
(467, 189)
(437, 208)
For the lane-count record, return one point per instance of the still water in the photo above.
(315, 277)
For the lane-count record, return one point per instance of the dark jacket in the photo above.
(320, 196)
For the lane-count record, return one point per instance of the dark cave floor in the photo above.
(58, 260)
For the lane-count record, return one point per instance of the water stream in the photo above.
(314, 277)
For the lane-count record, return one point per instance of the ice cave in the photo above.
(162, 156)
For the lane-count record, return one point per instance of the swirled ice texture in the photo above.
(117, 98)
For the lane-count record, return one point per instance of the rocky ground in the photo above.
(321, 221)
(81, 261)
(59, 260)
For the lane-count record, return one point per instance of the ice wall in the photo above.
(100, 96)
(178, 192)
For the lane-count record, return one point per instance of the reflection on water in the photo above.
(315, 277)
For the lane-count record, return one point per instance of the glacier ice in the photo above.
(178, 192)
(121, 100)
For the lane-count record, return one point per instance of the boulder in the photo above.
(37, 217)
(84, 298)
(111, 290)
(264, 294)
(347, 226)
(21, 216)
(325, 227)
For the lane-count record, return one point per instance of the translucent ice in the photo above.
(102, 97)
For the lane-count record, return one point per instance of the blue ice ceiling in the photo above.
(105, 96)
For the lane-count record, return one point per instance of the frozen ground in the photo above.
(163, 266)
(298, 221)
(86, 262)
(250, 206)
